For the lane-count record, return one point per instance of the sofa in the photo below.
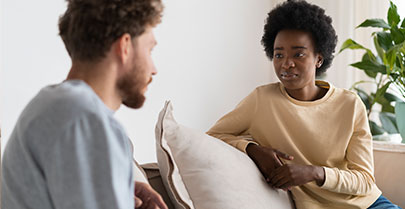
(389, 162)
(196, 171)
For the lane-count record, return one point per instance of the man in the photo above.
(67, 150)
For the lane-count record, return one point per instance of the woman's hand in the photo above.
(290, 175)
(266, 159)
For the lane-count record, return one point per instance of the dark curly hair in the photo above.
(89, 27)
(300, 15)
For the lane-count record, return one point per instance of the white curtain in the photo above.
(346, 15)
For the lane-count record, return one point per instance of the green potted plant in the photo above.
(386, 68)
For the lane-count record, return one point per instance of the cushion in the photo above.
(138, 172)
(204, 172)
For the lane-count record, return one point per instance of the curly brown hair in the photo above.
(89, 27)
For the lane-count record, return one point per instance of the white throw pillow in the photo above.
(138, 172)
(203, 172)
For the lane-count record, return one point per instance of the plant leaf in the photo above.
(368, 65)
(376, 23)
(364, 97)
(402, 30)
(381, 91)
(395, 75)
(403, 23)
(375, 129)
(393, 16)
(391, 56)
(384, 40)
(397, 36)
(392, 98)
(369, 73)
(388, 108)
(385, 105)
(388, 122)
(351, 44)
(382, 59)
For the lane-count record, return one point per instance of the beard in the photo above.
(131, 86)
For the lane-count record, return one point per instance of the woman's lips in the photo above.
(288, 76)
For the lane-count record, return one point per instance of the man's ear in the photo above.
(123, 47)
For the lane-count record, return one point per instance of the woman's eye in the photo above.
(299, 55)
(278, 55)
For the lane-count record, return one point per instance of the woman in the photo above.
(323, 129)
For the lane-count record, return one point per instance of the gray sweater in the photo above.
(67, 152)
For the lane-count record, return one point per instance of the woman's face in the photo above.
(294, 59)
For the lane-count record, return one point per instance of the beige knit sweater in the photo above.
(332, 132)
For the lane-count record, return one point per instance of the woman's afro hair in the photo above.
(300, 15)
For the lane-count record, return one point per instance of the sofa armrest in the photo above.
(389, 170)
(155, 180)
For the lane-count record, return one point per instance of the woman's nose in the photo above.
(288, 63)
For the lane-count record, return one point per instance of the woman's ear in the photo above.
(319, 61)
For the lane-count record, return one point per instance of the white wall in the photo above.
(208, 57)
(347, 15)
(32, 55)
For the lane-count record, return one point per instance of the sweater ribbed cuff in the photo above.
(330, 178)
(243, 145)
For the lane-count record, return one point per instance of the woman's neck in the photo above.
(309, 93)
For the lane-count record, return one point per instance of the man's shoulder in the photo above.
(72, 95)
(59, 105)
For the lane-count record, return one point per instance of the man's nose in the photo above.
(154, 70)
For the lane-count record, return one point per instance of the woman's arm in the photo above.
(357, 179)
(231, 127)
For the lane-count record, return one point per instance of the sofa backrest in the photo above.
(389, 171)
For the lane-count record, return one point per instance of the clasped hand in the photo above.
(279, 175)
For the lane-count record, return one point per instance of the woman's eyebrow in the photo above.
(293, 47)
(298, 47)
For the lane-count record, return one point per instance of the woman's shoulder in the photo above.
(268, 88)
(347, 96)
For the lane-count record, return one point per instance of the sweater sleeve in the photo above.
(358, 178)
(233, 128)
